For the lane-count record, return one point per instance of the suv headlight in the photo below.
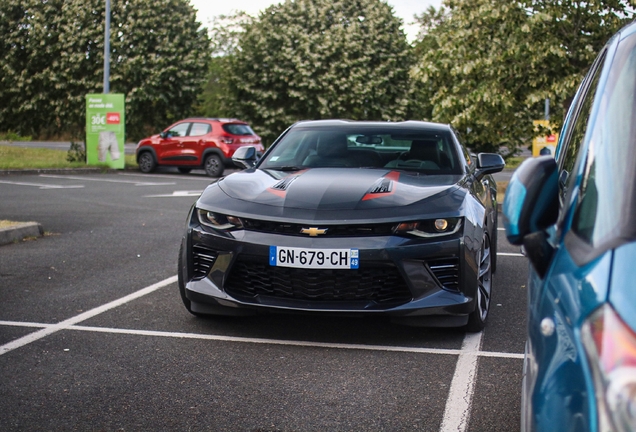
(610, 346)
(430, 228)
(218, 221)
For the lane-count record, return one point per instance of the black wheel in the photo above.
(181, 282)
(147, 162)
(477, 319)
(213, 166)
(184, 170)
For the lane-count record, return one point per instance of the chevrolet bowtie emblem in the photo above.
(313, 232)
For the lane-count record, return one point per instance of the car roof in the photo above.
(628, 30)
(413, 124)
(216, 119)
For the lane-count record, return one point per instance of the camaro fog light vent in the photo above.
(446, 270)
(203, 260)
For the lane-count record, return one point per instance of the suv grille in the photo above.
(381, 284)
(446, 270)
(202, 259)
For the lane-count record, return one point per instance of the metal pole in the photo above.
(107, 49)
(547, 109)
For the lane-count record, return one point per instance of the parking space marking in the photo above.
(163, 176)
(511, 254)
(302, 344)
(106, 180)
(25, 340)
(42, 186)
(176, 194)
(460, 395)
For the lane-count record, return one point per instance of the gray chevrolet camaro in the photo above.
(344, 217)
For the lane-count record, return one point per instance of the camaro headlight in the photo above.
(430, 228)
(218, 221)
(610, 346)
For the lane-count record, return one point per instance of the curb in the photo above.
(20, 231)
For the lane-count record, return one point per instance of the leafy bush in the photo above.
(76, 153)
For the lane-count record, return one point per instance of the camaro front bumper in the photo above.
(428, 282)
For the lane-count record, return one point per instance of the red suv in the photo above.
(207, 143)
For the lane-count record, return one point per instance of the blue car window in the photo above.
(577, 133)
(604, 192)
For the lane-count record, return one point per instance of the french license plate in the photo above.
(313, 258)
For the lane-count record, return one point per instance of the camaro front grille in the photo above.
(202, 260)
(332, 230)
(446, 270)
(381, 284)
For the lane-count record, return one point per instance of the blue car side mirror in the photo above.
(531, 203)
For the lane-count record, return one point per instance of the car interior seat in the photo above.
(331, 151)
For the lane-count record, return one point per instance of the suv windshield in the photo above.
(429, 152)
(238, 129)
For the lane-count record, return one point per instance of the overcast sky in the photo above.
(404, 9)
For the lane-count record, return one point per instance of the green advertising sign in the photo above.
(105, 129)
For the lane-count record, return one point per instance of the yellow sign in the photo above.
(544, 144)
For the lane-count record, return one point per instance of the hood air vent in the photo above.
(383, 185)
(284, 183)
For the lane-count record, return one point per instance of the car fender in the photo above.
(216, 151)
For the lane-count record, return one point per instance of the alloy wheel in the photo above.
(484, 289)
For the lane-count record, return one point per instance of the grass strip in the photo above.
(40, 158)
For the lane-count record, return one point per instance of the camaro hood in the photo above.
(334, 188)
(334, 193)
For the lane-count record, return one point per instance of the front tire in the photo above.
(147, 163)
(477, 319)
(213, 166)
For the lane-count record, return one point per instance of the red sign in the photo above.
(112, 118)
(551, 138)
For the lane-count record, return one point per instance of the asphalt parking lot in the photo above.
(93, 335)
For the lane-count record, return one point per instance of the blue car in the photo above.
(574, 215)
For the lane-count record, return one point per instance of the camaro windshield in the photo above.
(430, 152)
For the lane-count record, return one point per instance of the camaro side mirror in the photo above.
(530, 206)
(245, 157)
(489, 163)
(165, 134)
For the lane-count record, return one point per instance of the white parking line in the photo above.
(176, 194)
(460, 395)
(163, 176)
(107, 180)
(82, 317)
(42, 186)
(510, 254)
(237, 339)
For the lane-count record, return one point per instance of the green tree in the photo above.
(316, 59)
(486, 66)
(224, 33)
(51, 56)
